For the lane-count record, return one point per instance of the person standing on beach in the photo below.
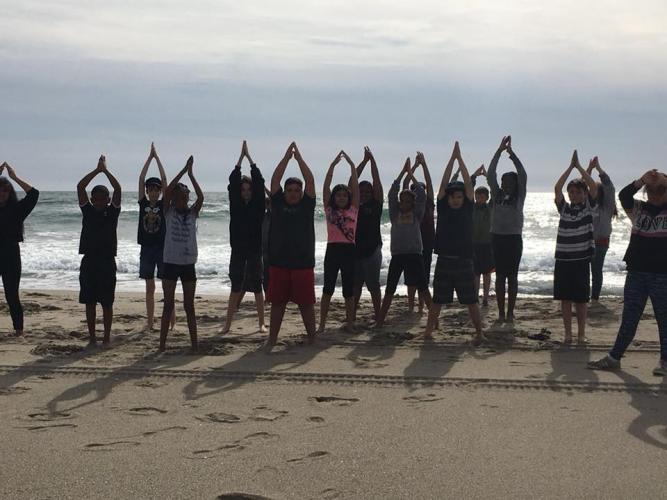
(342, 209)
(454, 270)
(368, 239)
(180, 250)
(97, 275)
(406, 211)
(427, 230)
(292, 245)
(574, 247)
(150, 232)
(646, 268)
(12, 214)
(246, 213)
(606, 204)
(507, 202)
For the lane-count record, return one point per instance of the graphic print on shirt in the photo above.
(151, 220)
(342, 221)
(651, 226)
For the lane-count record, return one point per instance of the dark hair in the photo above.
(482, 190)
(99, 189)
(334, 191)
(13, 200)
(153, 182)
(414, 185)
(579, 184)
(365, 183)
(600, 199)
(293, 180)
(455, 186)
(407, 191)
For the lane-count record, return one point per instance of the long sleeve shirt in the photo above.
(245, 221)
(12, 217)
(602, 218)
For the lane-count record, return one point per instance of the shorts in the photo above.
(339, 257)
(150, 258)
(412, 265)
(367, 270)
(507, 251)
(483, 262)
(453, 274)
(427, 257)
(572, 280)
(97, 280)
(172, 272)
(291, 285)
(245, 272)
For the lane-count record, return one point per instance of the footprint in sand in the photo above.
(241, 496)
(334, 400)
(310, 456)
(50, 416)
(56, 350)
(223, 418)
(315, 419)
(366, 363)
(41, 428)
(146, 411)
(166, 429)
(329, 494)
(266, 414)
(111, 445)
(422, 398)
(11, 391)
(238, 445)
(149, 384)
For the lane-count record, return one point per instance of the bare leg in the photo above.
(500, 296)
(237, 306)
(477, 284)
(324, 311)
(349, 309)
(90, 320)
(150, 303)
(168, 289)
(107, 315)
(487, 288)
(308, 317)
(473, 310)
(189, 288)
(277, 313)
(376, 297)
(512, 291)
(420, 293)
(431, 323)
(259, 304)
(582, 312)
(386, 304)
(566, 309)
(357, 298)
(172, 323)
(411, 299)
(232, 307)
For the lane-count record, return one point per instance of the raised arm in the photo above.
(83, 183)
(558, 188)
(393, 192)
(448, 172)
(354, 181)
(491, 175)
(142, 175)
(326, 188)
(279, 172)
(378, 191)
(427, 176)
(309, 180)
(592, 185)
(12, 175)
(467, 181)
(520, 170)
(258, 185)
(117, 192)
(169, 190)
(160, 167)
(196, 207)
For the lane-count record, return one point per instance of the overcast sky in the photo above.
(197, 77)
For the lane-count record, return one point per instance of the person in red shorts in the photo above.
(292, 245)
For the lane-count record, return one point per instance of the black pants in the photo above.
(412, 265)
(10, 269)
(339, 256)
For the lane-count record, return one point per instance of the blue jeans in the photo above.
(596, 270)
(639, 287)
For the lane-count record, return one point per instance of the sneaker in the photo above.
(661, 369)
(605, 363)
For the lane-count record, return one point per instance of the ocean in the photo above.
(51, 261)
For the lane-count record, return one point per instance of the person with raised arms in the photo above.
(427, 230)
(180, 250)
(246, 211)
(406, 211)
(646, 268)
(574, 247)
(98, 244)
(368, 239)
(292, 245)
(341, 210)
(12, 214)
(507, 201)
(150, 232)
(454, 271)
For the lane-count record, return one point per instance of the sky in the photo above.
(84, 78)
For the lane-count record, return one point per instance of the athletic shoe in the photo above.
(605, 363)
(661, 369)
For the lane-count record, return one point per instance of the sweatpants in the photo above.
(10, 269)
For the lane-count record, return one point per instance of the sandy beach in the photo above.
(377, 414)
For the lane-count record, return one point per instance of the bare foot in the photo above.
(18, 333)
(510, 319)
(320, 329)
(478, 340)
(225, 329)
(263, 329)
(582, 340)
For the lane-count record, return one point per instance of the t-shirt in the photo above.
(98, 231)
(292, 233)
(151, 223)
(12, 217)
(575, 230)
(428, 226)
(454, 231)
(341, 225)
(180, 240)
(507, 215)
(481, 221)
(406, 236)
(647, 250)
(368, 237)
(602, 219)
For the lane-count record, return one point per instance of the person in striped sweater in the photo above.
(575, 246)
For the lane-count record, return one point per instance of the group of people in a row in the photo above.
(478, 230)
